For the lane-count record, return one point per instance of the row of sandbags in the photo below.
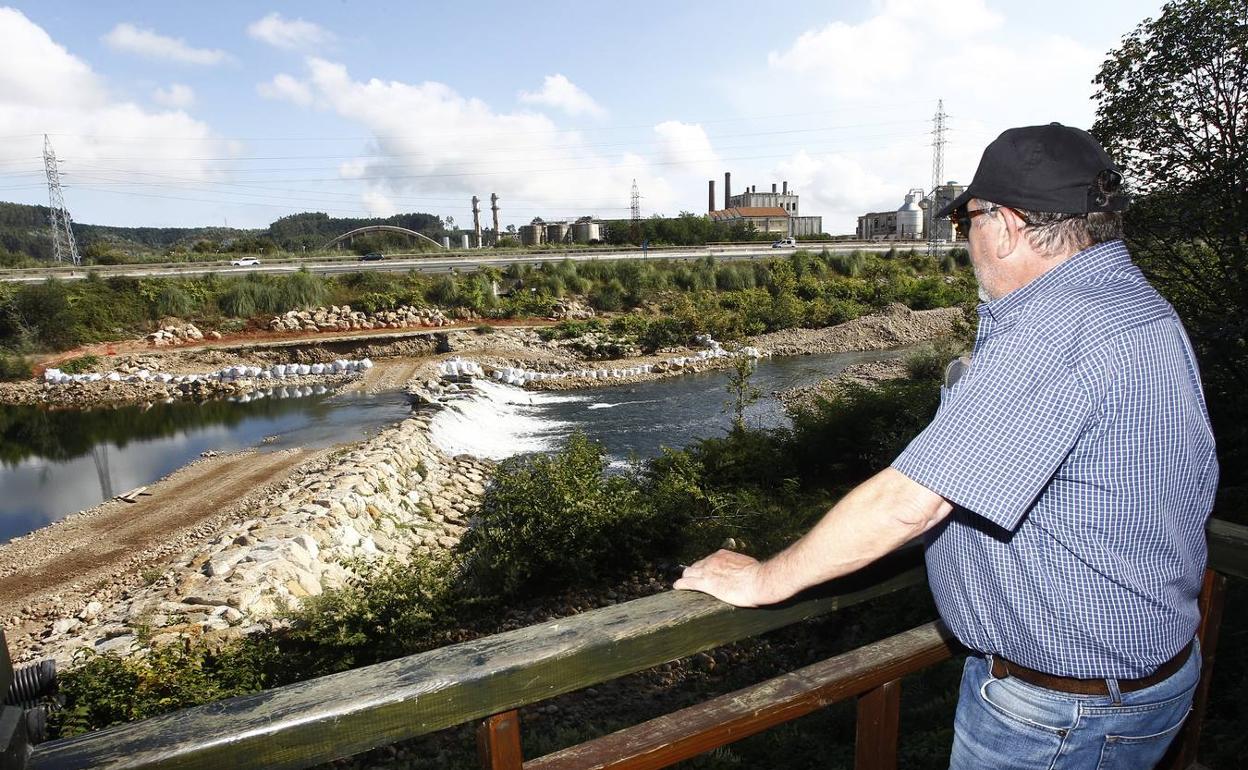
(519, 376)
(228, 374)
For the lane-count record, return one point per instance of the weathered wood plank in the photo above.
(695, 730)
(879, 718)
(498, 742)
(343, 714)
(1228, 548)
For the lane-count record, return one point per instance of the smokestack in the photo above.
(710, 195)
(476, 219)
(773, 188)
(786, 187)
(494, 208)
(727, 189)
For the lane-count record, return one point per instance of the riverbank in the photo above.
(388, 497)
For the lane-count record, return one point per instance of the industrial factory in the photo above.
(912, 221)
(769, 212)
(537, 232)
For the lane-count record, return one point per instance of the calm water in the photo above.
(628, 420)
(56, 462)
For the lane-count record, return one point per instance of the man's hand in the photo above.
(877, 516)
(728, 576)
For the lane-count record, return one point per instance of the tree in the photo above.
(740, 391)
(1172, 108)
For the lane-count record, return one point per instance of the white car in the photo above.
(785, 243)
(245, 262)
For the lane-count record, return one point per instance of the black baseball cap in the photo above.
(1054, 168)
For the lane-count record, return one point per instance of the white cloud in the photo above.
(885, 74)
(686, 147)
(62, 96)
(429, 140)
(285, 87)
(176, 95)
(561, 93)
(144, 42)
(291, 34)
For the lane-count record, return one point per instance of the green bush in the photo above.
(386, 610)
(551, 521)
(13, 367)
(80, 365)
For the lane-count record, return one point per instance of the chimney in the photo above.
(727, 189)
(786, 188)
(476, 218)
(710, 195)
(494, 208)
(773, 188)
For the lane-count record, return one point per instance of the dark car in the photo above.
(372, 256)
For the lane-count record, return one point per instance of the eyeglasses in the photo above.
(962, 218)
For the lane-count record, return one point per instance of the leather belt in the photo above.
(1002, 668)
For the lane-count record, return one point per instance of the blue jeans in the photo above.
(1008, 723)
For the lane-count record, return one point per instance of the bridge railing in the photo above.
(487, 679)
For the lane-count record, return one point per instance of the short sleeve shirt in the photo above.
(1077, 452)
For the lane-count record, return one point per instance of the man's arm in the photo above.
(876, 517)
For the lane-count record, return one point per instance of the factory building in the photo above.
(912, 221)
(538, 232)
(770, 212)
(944, 195)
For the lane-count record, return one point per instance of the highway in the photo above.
(462, 261)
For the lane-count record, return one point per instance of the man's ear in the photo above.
(1011, 233)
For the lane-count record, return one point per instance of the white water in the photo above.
(498, 422)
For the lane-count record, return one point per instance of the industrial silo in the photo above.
(910, 218)
(557, 232)
(532, 235)
(584, 232)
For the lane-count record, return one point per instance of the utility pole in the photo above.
(63, 244)
(634, 230)
(938, 174)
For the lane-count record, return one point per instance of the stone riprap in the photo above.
(392, 496)
(343, 319)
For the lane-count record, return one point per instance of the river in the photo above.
(56, 462)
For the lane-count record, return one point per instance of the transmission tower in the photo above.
(938, 174)
(63, 244)
(634, 230)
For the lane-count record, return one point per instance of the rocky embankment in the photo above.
(392, 496)
(894, 326)
(343, 319)
(804, 399)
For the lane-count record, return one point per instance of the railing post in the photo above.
(875, 747)
(498, 742)
(1182, 753)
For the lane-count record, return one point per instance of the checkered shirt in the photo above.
(1077, 452)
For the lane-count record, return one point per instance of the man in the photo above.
(1062, 487)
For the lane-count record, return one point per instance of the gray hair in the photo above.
(1051, 234)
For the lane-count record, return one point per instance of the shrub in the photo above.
(549, 521)
(80, 365)
(13, 367)
(386, 610)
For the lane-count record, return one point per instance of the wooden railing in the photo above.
(488, 679)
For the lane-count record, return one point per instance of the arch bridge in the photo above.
(350, 235)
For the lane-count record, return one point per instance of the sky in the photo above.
(180, 114)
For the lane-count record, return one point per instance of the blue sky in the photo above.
(185, 114)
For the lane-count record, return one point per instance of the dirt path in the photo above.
(115, 542)
(387, 374)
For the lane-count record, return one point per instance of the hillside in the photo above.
(24, 235)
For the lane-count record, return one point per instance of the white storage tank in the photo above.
(910, 218)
